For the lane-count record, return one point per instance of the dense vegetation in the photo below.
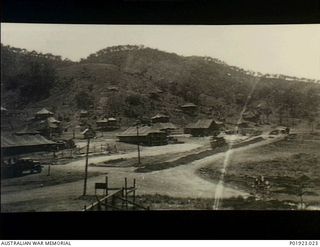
(30, 75)
(134, 81)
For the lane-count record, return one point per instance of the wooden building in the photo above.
(203, 127)
(107, 124)
(48, 127)
(83, 114)
(43, 114)
(189, 108)
(145, 135)
(113, 89)
(160, 118)
(166, 127)
(22, 144)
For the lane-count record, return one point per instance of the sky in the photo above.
(275, 49)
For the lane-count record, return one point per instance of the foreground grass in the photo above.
(161, 202)
(291, 166)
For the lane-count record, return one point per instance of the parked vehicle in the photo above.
(17, 167)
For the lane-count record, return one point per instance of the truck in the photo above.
(17, 167)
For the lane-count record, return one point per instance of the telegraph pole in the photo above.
(86, 169)
(88, 134)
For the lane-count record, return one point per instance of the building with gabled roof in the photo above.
(22, 144)
(203, 127)
(160, 118)
(43, 113)
(107, 124)
(166, 127)
(144, 135)
(189, 108)
(83, 113)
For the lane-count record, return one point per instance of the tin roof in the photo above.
(189, 105)
(53, 120)
(3, 108)
(104, 120)
(160, 115)
(44, 111)
(201, 124)
(24, 140)
(143, 131)
(163, 126)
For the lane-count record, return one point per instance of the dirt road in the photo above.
(180, 181)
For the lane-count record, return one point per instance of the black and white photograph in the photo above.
(159, 117)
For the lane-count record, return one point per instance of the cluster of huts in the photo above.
(41, 130)
(103, 124)
(37, 135)
(161, 127)
(157, 133)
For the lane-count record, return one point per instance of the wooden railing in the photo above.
(119, 199)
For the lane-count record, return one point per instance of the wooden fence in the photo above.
(123, 198)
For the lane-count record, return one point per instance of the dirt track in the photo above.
(180, 181)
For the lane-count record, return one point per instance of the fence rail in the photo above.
(123, 198)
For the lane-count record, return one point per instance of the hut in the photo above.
(102, 124)
(43, 114)
(145, 135)
(83, 114)
(107, 124)
(53, 126)
(113, 89)
(203, 127)
(160, 118)
(22, 144)
(113, 123)
(166, 127)
(189, 108)
(3, 110)
(47, 127)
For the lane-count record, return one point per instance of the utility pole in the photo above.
(139, 160)
(88, 133)
(86, 168)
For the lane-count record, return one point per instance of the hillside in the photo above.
(137, 82)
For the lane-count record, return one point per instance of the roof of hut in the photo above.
(143, 131)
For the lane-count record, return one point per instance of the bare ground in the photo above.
(179, 181)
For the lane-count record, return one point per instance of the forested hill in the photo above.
(134, 81)
(28, 76)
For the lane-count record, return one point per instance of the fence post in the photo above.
(134, 190)
(106, 186)
(107, 192)
(126, 192)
